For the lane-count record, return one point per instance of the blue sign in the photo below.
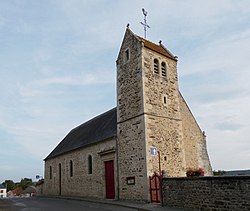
(153, 151)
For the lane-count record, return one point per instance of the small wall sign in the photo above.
(153, 151)
(130, 180)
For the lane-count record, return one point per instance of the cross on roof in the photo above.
(145, 25)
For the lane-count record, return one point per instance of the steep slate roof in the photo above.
(93, 131)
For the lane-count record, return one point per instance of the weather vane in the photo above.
(145, 22)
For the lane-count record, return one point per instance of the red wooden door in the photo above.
(109, 179)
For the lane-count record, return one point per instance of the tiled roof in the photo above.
(93, 131)
(157, 48)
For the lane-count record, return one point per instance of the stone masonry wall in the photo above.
(129, 79)
(164, 134)
(149, 114)
(162, 119)
(81, 183)
(130, 121)
(208, 193)
(132, 160)
(194, 141)
(156, 86)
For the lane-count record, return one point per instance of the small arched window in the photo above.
(163, 69)
(71, 168)
(156, 66)
(90, 164)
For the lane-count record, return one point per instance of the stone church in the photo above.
(112, 155)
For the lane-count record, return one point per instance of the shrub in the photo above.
(195, 172)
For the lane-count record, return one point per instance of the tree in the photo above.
(9, 184)
(26, 182)
(17, 191)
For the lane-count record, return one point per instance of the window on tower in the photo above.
(165, 100)
(127, 55)
(163, 69)
(156, 66)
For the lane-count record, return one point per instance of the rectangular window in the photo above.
(165, 100)
(127, 55)
(90, 164)
(1, 191)
(71, 168)
(50, 172)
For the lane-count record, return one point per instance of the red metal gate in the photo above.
(154, 182)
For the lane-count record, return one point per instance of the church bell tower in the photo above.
(148, 115)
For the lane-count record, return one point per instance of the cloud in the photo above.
(58, 68)
(213, 79)
(228, 126)
(42, 113)
(40, 87)
(229, 53)
(228, 150)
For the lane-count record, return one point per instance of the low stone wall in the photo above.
(39, 189)
(208, 193)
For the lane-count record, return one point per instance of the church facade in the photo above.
(112, 155)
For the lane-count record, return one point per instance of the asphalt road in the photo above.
(55, 204)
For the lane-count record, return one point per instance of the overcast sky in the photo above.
(57, 70)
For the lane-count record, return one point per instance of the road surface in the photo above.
(55, 204)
